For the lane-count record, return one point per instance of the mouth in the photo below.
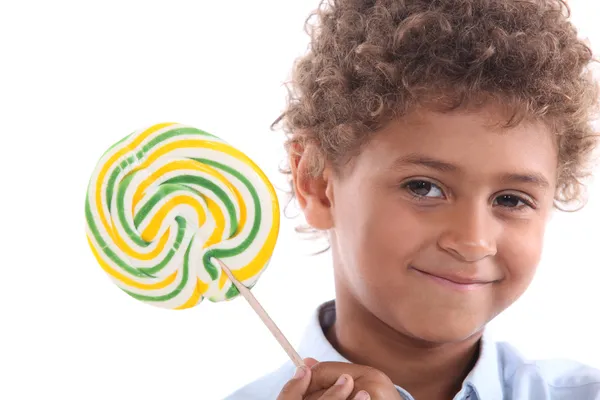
(454, 282)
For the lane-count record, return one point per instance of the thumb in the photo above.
(310, 362)
(296, 387)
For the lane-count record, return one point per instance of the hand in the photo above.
(298, 387)
(365, 379)
(322, 376)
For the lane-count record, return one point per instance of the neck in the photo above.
(426, 370)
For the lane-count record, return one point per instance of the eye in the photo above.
(422, 188)
(512, 201)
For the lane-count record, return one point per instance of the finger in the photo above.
(296, 387)
(362, 395)
(325, 374)
(341, 389)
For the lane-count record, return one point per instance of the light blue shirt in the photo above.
(501, 373)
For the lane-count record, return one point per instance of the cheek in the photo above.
(519, 253)
(396, 233)
(376, 238)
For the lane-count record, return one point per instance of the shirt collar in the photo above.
(484, 379)
(314, 343)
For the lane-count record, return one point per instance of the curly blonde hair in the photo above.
(370, 61)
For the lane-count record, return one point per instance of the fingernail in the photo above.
(300, 372)
(341, 380)
(362, 395)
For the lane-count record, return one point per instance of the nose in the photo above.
(470, 233)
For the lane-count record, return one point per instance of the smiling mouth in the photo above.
(457, 283)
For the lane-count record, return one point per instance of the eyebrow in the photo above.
(424, 161)
(528, 177)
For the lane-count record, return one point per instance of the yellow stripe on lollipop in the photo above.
(222, 281)
(199, 290)
(127, 280)
(254, 266)
(158, 218)
(124, 247)
(219, 218)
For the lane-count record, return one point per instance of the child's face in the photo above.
(445, 195)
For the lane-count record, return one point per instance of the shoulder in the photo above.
(267, 387)
(555, 379)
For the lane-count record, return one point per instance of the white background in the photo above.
(77, 76)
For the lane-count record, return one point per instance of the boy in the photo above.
(431, 140)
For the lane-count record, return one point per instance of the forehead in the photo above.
(471, 140)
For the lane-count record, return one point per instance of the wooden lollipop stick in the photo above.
(296, 359)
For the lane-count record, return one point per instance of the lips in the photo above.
(455, 280)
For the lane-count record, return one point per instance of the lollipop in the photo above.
(164, 202)
(175, 215)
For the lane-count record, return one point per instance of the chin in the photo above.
(448, 335)
(441, 331)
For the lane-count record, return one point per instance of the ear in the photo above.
(314, 193)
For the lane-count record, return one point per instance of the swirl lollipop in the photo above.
(171, 211)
